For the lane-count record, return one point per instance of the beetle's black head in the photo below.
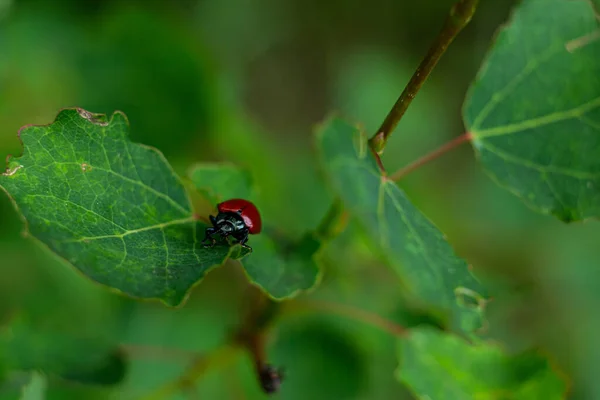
(229, 222)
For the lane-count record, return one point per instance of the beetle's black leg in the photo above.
(209, 232)
(225, 235)
(244, 245)
(243, 238)
(213, 220)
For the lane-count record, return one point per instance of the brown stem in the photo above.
(378, 161)
(253, 336)
(349, 312)
(249, 336)
(460, 15)
(401, 173)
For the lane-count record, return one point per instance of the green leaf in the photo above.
(534, 109)
(416, 249)
(30, 344)
(439, 366)
(36, 388)
(282, 268)
(113, 209)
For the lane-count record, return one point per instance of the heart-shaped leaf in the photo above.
(534, 109)
(416, 249)
(439, 366)
(114, 209)
(282, 268)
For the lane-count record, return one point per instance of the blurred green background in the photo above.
(246, 81)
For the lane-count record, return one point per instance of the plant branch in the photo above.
(460, 15)
(250, 336)
(220, 356)
(348, 311)
(401, 173)
(253, 336)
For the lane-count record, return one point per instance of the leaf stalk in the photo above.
(402, 172)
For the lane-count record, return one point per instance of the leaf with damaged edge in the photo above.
(281, 269)
(112, 208)
(416, 249)
(439, 366)
(534, 109)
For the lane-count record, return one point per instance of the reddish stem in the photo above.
(351, 312)
(378, 160)
(401, 173)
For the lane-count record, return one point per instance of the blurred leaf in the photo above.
(36, 344)
(152, 66)
(281, 268)
(534, 109)
(113, 209)
(437, 366)
(36, 388)
(111, 369)
(415, 248)
(570, 325)
(319, 362)
(163, 341)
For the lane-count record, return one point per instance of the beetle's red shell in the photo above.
(248, 210)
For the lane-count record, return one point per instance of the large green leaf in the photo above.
(282, 268)
(417, 250)
(113, 209)
(534, 109)
(439, 366)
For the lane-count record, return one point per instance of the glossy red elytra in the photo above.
(237, 218)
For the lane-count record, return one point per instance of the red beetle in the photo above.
(237, 218)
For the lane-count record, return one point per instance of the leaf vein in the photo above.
(133, 181)
(166, 257)
(550, 185)
(501, 95)
(439, 277)
(78, 206)
(383, 228)
(182, 221)
(548, 119)
(541, 168)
